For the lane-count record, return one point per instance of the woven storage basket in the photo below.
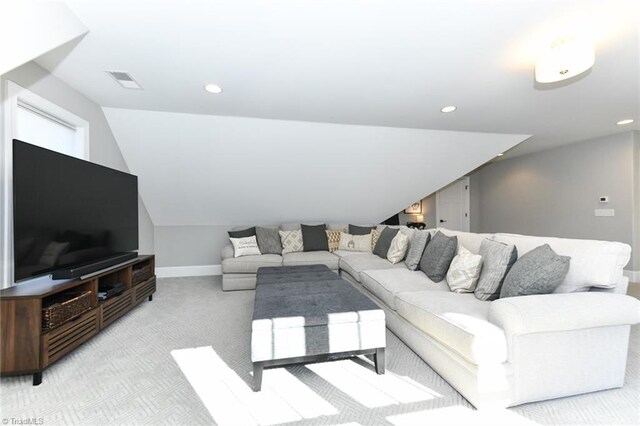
(142, 273)
(56, 314)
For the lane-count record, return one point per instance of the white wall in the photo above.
(103, 147)
(555, 192)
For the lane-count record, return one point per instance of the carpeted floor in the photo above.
(184, 359)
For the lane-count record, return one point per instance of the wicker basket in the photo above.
(56, 314)
(142, 273)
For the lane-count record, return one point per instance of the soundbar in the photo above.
(79, 271)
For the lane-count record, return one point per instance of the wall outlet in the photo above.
(605, 212)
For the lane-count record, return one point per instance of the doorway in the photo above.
(452, 206)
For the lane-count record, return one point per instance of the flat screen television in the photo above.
(70, 217)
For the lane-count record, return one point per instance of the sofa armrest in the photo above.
(227, 252)
(563, 312)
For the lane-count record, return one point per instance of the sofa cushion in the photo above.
(311, 258)
(386, 283)
(416, 249)
(314, 237)
(539, 271)
(497, 259)
(384, 242)
(250, 264)
(268, 240)
(360, 230)
(470, 240)
(438, 255)
(344, 253)
(354, 265)
(243, 233)
(458, 321)
(593, 263)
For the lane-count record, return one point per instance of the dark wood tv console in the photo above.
(28, 348)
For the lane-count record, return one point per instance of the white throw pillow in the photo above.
(464, 271)
(247, 246)
(350, 242)
(291, 241)
(398, 248)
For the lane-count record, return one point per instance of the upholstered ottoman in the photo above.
(308, 314)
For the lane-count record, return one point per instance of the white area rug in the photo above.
(184, 359)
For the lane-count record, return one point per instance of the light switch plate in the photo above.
(605, 212)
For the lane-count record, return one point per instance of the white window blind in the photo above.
(40, 128)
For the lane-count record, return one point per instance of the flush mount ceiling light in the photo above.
(623, 122)
(213, 88)
(501, 154)
(449, 108)
(565, 58)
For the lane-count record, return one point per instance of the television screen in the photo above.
(68, 212)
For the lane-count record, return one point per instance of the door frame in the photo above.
(466, 202)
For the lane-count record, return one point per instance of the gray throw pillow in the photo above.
(384, 242)
(438, 255)
(314, 237)
(539, 271)
(244, 233)
(360, 230)
(416, 249)
(497, 259)
(268, 240)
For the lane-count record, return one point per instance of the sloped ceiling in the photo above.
(210, 170)
(29, 29)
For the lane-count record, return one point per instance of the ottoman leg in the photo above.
(257, 376)
(378, 359)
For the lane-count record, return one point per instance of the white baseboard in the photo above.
(634, 276)
(188, 271)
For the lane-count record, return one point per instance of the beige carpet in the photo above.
(184, 359)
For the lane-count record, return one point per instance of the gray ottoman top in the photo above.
(294, 296)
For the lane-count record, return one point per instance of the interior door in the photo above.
(452, 206)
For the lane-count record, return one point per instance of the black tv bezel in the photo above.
(79, 269)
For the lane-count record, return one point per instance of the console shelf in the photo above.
(27, 348)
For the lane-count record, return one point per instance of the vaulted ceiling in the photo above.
(372, 75)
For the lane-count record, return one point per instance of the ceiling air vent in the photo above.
(124, 79)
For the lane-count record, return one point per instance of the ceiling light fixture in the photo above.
(501, 154)
(213, 88)
(449, 108)
(623, 122)
(565, 58)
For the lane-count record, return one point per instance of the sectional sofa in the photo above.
(497, 353)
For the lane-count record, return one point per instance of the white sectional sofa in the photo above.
(497, 353)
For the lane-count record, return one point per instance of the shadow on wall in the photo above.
(428, 205)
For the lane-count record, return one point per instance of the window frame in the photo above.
(15, 94)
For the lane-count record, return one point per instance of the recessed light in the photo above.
(623, 122)
(213, 88)
(449, 108)
(501, 154)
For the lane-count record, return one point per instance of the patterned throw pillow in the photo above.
(416, 248)
(375, 234)
(350, 242)
(333, 237)
(291, 241)
(464, 271)
(497, 260)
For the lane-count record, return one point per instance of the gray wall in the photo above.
(555, 192)
(103, 147)
(636, 207)
(189, 245)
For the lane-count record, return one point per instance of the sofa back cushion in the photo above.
(593, 263)
(314, 237)
(438, 255)
(471, 241)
